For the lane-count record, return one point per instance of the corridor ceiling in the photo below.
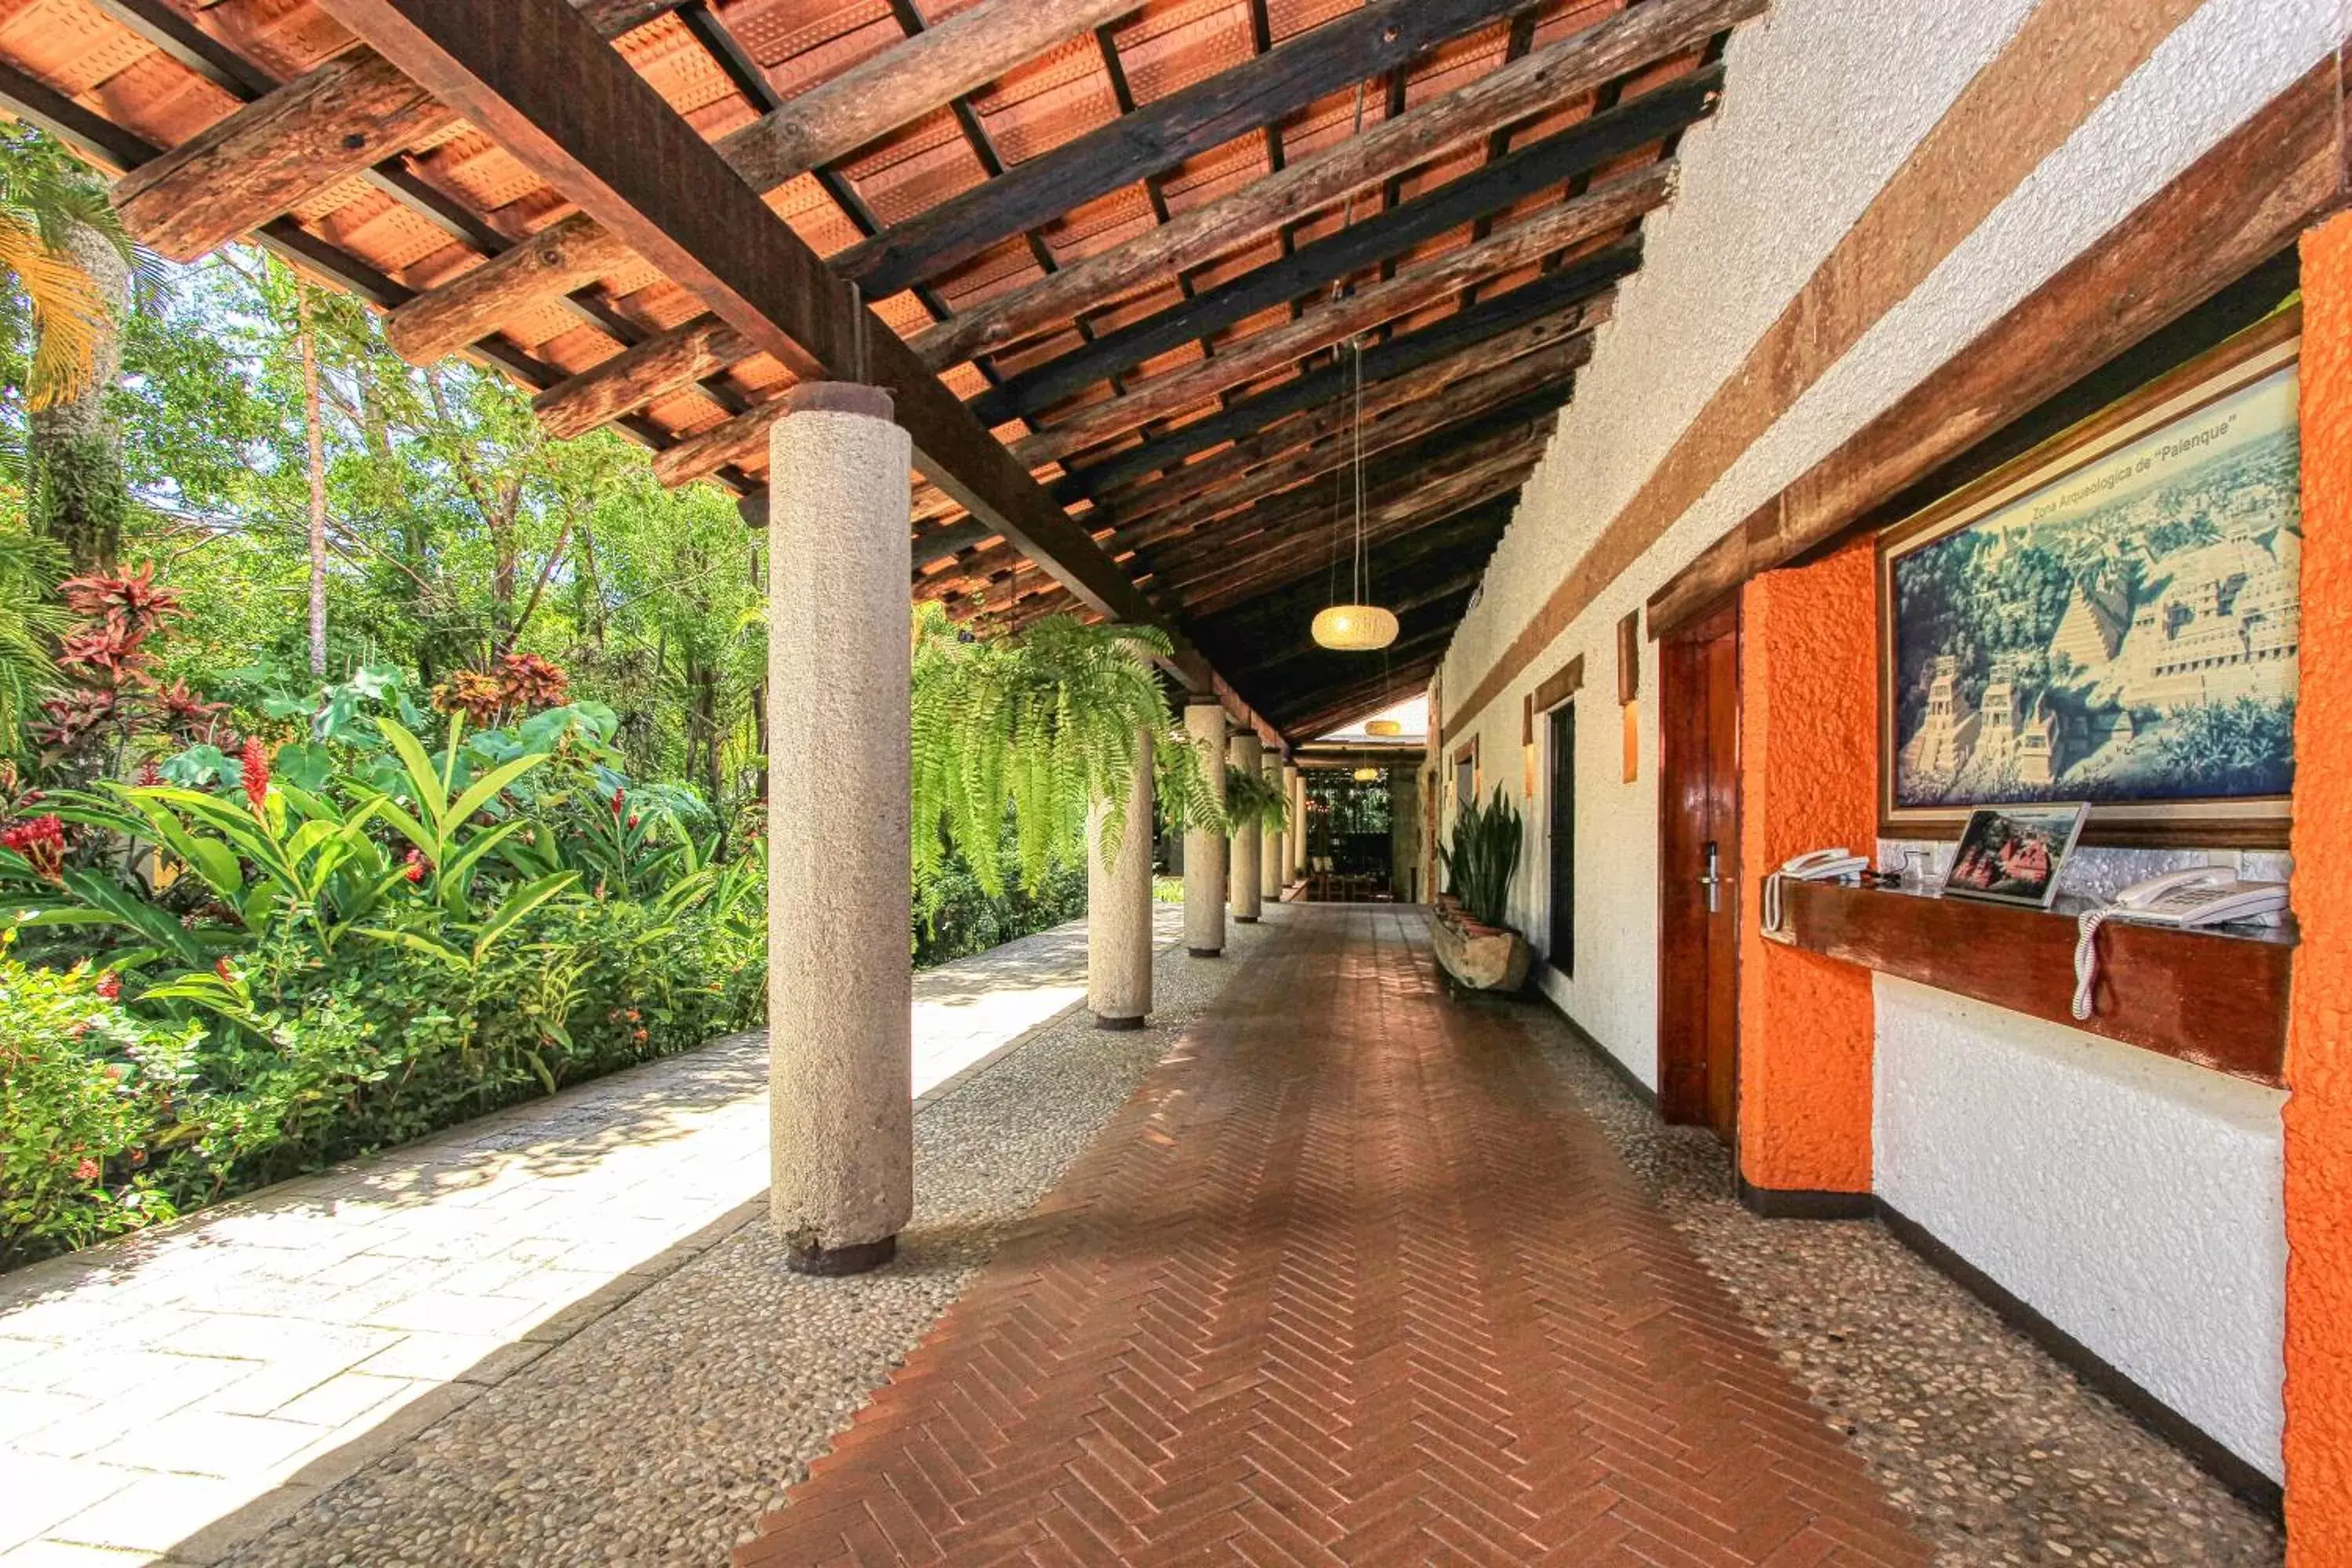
(1156, 249)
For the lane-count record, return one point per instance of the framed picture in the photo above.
(2012, 855)
(2112, 617)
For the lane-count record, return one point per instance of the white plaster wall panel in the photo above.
(1759, 206)
(2135, 1201)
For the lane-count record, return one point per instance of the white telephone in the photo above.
(1825, 865)
(1820, 866)
(2201, 895)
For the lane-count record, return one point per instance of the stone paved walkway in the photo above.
(157, 1394)
(1350, 1279)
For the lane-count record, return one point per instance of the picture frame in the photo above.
(2013, 855)
(2113, 615)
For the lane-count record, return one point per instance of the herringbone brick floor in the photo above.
(1351, 1281)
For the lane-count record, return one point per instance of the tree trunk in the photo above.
(315, 437)
(79, 496)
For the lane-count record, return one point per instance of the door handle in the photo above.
(1711, 881)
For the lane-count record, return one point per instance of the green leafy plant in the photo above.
(1483, 856)
(1037, 723)
(1255, 803)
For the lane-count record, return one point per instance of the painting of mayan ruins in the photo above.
(2124, 632)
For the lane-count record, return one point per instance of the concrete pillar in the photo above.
(1249, 848)
(1293, 787)
(1270, 861)
(1118, 906)
(840, 985)
(1204, 849)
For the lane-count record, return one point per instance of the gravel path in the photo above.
(660, 1433)
(1996, 1449)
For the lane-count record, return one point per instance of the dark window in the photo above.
(1560, 941)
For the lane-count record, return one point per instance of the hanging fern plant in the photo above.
(1038, 723)
(1255, 803)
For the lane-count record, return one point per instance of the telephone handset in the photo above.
(1820, 866)
(1825, 865)
(2201, 895)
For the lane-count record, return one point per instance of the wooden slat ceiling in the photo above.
(1157, 255)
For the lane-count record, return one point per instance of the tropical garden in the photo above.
(369, 760)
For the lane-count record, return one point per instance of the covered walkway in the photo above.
(1351, 1279)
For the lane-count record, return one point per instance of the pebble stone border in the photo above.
(1999, 1454)
(655, 1422)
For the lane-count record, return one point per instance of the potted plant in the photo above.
(1467, 929)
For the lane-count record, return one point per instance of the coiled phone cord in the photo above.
(2087, 956)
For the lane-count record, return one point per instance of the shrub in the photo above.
(91, 1097)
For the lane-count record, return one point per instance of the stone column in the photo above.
(1118, 906)
(1271, 861)
(840, 984)
(1204, 849)
(1248, 843)
(1294, 789)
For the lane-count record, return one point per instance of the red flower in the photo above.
(255, 760)
(150, 776)
(87, 1171)
(632, 819)
(138, 1158)
(227, 972)
(415, 872)
(110, 986)
(619, 802)
(42, 843)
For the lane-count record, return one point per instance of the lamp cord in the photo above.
(2086, 957)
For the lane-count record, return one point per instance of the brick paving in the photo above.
(1351, 1281)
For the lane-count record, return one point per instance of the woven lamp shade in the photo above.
(1366, 775)
(1384, 727)
(1355, 628)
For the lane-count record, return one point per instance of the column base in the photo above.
(1134, 1023)
(832, 1262)
(1245, 920)
(1206, 952)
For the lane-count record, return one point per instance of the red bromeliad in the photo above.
(42, 843)
(255, 762)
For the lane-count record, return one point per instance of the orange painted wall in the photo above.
(2319, 1028)
(1807, 770)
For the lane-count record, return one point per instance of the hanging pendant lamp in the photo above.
(1384, 727)
(1367, 775)
(1356, 626)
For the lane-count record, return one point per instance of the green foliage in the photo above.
(30, 567)
(956, 917)
(1255, 803)
(87, 1096)
(1037, 724)
(1484, 856)
(2244, 747)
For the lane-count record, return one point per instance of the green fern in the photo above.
(1255, 802)
(1037, 725)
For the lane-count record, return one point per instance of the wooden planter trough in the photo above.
(1482, 957)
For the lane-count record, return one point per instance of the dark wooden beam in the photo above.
(1160, 135)
(1532, 302)
(665, 362)
(1551, 351)
(1539, 167)
(1555, 74)
(1314, 711)
(1330, 324)
(292, 141)
(549, 90)
(829, 122)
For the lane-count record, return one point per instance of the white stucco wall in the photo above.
(2133, 1200)
(1824, 99)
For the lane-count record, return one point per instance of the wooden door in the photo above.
(1560, 942)
(1699, 872)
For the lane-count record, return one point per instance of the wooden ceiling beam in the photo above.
(1532, 171)
(338, 119)
(1581, 63)
(668, 361)
(550, 91)
(1552, 349)
(829, 122)
(1588, 217)
(1532, 302)
(1258, 567)
(1333, 706)
(1527, 377)
(1160, 135)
